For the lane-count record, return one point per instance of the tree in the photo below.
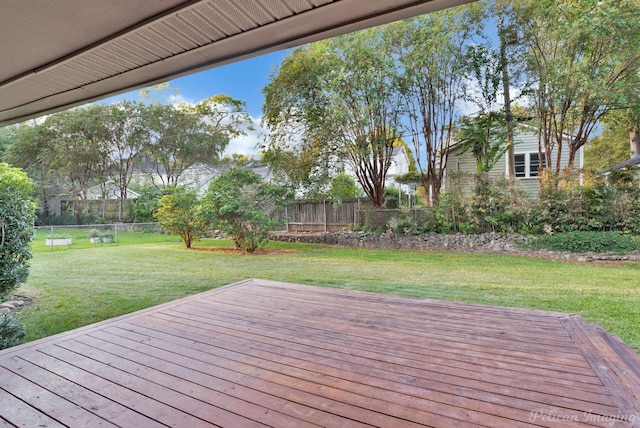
(125, 134)
(621, 132)
(179, 213)
(485, 137)
(343, 186)
(431, 52)
(76, 153)
(583, 61)
(338, 98)
(183, 135)
(239, 203)
(6, 135)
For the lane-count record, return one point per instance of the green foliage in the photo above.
(581, 242)
(16, 227)
(343, 186)
(485, 136)
(179, 213)
(143, 208)
(606, 150)
(12, 332)
(582, 59)
(183, 135)
(240, 204)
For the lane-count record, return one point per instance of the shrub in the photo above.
(179, 213)
(17, 213)
(11, 331)
(403, 226)
(580, 242)
(240, 204)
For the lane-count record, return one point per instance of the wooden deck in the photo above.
(262, 353)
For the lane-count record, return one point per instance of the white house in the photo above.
(399, 165)
(528, 162)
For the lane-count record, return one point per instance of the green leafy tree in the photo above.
(430, 52)
(583, 61)
(179, 213)
(183, 135)
(240, 204)
(343, 186)
(6, 135)
(485, 137)
(336, 97)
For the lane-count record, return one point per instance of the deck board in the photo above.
(265, 353)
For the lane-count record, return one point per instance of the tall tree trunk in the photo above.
(507, 101)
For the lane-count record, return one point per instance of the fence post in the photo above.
(51, 237)
(115, 235)
(286, 216)
(324, 205)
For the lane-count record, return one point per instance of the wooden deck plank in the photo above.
(265, 353)
(17, 413)
(466, 398)
(48, 402)
(408, 354)
(80, 396)
(351, 320)
(432, 376)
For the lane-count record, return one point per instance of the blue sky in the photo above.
(242, 80)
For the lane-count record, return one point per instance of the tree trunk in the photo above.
(507, 103)
(634, 142)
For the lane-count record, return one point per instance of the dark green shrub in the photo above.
(581, 242)
(16, 227)
(11, 331)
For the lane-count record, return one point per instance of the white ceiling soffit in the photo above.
(56, 54)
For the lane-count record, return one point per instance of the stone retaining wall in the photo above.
(489, 243)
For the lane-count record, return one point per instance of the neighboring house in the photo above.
(527, 161)
(111, 192)
(199, 176)
(632, 164)
(399, 166)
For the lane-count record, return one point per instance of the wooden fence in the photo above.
(328, 216)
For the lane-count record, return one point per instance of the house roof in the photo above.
(59, 54)
(633, 162)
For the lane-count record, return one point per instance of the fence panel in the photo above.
(326, 216)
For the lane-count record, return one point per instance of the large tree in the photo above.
(183, 135)
(583, 61)
(336, 100)
(431, 56)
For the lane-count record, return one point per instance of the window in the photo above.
(528, 165)
(521, 165)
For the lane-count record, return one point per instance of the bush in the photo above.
(240, 204)
(11, 331)
(17, 213)
(581, 242)
(179, 213)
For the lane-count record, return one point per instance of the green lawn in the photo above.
(80, 238)
(75, 288)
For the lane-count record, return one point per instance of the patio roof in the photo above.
(264, 353)
(58, 54)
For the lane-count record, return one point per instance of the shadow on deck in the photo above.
(285, 355)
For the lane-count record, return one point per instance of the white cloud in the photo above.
(248, 144)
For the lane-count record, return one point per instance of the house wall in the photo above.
(525, 142)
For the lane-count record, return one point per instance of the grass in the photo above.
(75, 288)
(80, 239)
